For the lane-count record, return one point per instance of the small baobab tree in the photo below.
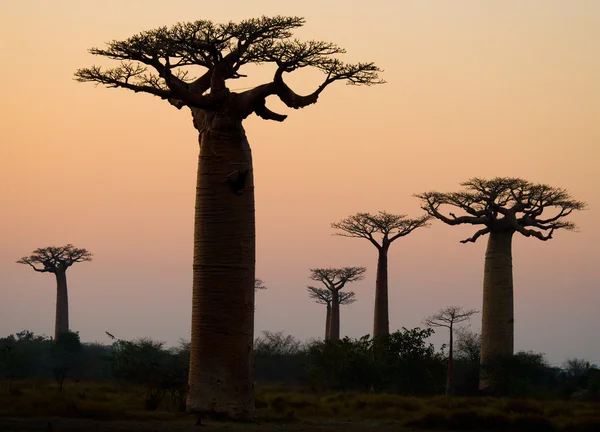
(448, 317)
(259, 284)
(56, 260)
(160, 62)
(334, 280)
(323, 296)
(381, 230)
(502, 207)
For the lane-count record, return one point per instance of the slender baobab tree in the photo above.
(56, 260)
(334, 279)
(448, 317)
(158, 62)
(381, 230)
(323, 296)
(503, 207)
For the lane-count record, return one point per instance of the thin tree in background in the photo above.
(56, 260)
(334, 280)
(159, 62)
(448, 317)
(502, 206)
(323, 296)
(381, 230)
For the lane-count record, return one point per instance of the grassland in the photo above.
(116, 407)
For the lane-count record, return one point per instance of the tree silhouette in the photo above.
(335, 279)
(381, 230)
(323, 296)
(56, 260)
(503, 206)
(158, 62)
(448, 317)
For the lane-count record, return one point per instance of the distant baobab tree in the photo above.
(158, 62)
(323, 296)
(502, 206)
(56, 260)
(259, 284)
(381, 230)
(334, 280)
(448, 317)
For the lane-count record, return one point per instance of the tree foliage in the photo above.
(55, 258)
(505, 204)
(159, 62)
(405, 363)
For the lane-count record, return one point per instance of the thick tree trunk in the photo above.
(449, 378)
(334, 320)
(61, 323)
(328, 322)
(497, 327)
(381, 322)
(221, 378)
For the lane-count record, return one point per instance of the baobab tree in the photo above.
(448, 317)
(502, 207)
(381, 230)
(56, 260)
(334, 280)
(158, 62)
(323, 296)
(259, 284)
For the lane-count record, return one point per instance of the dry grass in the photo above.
(113, 402)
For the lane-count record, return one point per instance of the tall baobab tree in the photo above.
(158, 62)
(448, 317)
(334, 280)
(56, 260)
(323, 296)
(502, 207)
(381, 230)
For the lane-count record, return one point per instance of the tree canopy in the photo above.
(323, 296)
(388, 226)
(449, 316)
(505, 204)
(55, 258)
(336, 278)
(159, 62)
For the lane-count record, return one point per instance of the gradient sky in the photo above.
(474, 88)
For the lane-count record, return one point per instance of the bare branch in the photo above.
(478, 234)
(359, 74)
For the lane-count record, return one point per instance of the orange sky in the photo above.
(474, 89)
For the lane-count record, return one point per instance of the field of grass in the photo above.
(112, 402)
